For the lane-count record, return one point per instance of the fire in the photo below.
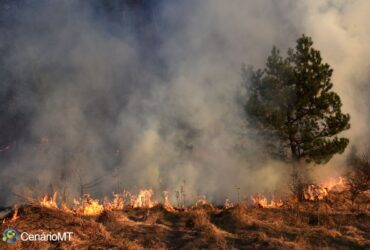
(88, 206)
(228, 204)
(319, 192)
(262, 202)
(335, 183)
(118, 202)
(49, 202)
(315, 192)
(166, 202)
(201, 201)
(65, 208)
(15, 214)
(143, 199)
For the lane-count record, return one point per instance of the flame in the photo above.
(49, 202)
(166, 202)
(315, 192)
(228, 204)
(118, 202)
(15, 214)
(143, 199)
(65, 208)
(335, 183)
(319, 192)
(201, 201)
(262, 202)
(88, 206)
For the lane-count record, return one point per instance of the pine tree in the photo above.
(291, 103)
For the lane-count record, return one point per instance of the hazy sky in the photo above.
(144, 95)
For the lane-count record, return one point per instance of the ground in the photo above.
(314, 225)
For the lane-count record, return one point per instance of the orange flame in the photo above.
(65, 208)
(201, 201)
(143, 199)
(15, 215)
(118, 202)
(166, 202)
(335, 183)
(262, 202)
(315, 192)
(49, 202)
(319, 192)
(228, 204)
(88, 206)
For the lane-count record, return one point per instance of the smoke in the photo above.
(145, 96)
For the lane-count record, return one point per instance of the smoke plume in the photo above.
(115, 95)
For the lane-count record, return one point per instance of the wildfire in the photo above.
(228, 204)
(319, 192)
(166, 202)
(315, 192)
(65, 208)
(49, 202)
(202, 200)
(262, 202)
(88, 206)
(334, 183)
(143, 199)
(118, 202)
(15, 214)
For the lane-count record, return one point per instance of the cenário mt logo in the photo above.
(10, 235)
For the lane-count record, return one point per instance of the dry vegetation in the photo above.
(329, 224)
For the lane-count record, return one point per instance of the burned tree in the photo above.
(292, 106)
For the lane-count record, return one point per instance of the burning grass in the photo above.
(137, 222)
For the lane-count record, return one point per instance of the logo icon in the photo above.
(10, 235)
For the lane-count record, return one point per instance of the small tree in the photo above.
(291, 104)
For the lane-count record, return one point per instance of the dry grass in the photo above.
(202, 223)
(317, 226)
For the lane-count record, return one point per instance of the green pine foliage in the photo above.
(291, 104)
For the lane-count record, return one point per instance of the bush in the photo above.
(358, 176)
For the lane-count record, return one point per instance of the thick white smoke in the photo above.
(104, 111)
